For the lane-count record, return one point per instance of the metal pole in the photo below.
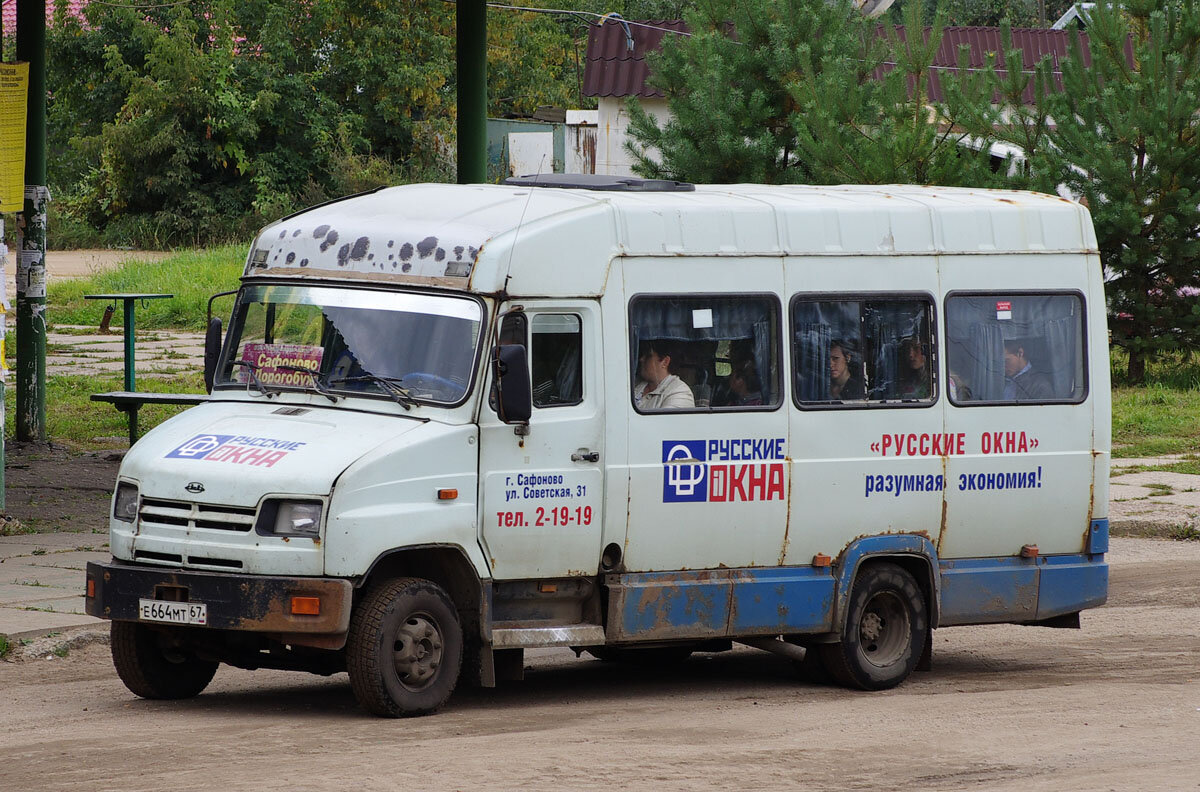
(472, 91)
(31, 232)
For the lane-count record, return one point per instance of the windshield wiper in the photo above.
(253, 378)
(390, 384)
(316, 381)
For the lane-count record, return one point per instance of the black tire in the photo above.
(405, 647)
(884, 633)
(154, 665)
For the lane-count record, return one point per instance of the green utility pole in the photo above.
(30, 419)
(472, 91)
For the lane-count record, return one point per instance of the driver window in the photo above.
(556, 363)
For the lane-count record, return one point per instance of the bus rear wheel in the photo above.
(884, 633)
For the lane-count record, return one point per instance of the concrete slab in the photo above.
(17, 623)
(74, 561)
(28, 575)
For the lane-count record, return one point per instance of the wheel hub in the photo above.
(417, 651)
(872, 627)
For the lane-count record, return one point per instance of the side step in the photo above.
(535, 637)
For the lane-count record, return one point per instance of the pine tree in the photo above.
(1122, 134)
(804, 91)
(867, 116)
(728, 88)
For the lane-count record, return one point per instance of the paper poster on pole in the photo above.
(14, 89)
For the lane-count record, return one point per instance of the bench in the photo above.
(129, 402)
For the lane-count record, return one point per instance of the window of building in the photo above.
(1015, 348)
(856, 351)
(710, 352)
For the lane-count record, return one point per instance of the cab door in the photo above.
(542, 491)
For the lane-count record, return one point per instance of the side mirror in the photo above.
(512, 383)
(212, 351)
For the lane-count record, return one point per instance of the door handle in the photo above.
(583, 455)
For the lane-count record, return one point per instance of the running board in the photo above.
(534, 637)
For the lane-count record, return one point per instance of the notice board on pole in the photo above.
(14, 90)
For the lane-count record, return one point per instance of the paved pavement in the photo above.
(41, 575)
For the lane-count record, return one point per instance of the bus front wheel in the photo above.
(405, 648)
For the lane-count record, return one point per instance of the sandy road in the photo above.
(1115, 705)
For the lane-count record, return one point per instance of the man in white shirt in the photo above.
(657, 387)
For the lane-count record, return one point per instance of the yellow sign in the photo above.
(14, 87)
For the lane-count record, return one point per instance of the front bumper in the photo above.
(252, 603)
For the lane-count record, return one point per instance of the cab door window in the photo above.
(556, 364)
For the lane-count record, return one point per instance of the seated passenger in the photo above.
(745, 388)
(1021, 382)
(845, 380)
(915, 379)
(657, 386)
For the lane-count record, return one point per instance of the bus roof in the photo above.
(524, 239)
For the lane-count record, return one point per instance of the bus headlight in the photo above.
(289, 518)
(125, 503)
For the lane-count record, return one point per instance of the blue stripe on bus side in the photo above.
(719, 603)
(982, 590)
(782, 600)
(1071, 583)
(987, 590)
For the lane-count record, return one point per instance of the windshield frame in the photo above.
(226, 364)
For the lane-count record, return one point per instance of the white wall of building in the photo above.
(611, 157)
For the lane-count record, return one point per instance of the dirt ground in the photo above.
(1115, 705)
(50, 488)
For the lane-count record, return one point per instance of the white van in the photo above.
(642, 418)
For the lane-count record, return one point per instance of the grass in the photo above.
(1160, 415)
(1184, 533)
(74, 420)
(193, 276)
(5, 647)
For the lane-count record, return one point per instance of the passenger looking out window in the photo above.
(658, 387)
(862, 352)
(845, 373)
(705, 352)
(1015, 348)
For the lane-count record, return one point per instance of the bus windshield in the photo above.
(412, 348)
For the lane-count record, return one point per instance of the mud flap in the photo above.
(926, 661)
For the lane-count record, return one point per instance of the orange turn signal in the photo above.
(91, 588)
(821, 560)
(306, 606)
(447, 494)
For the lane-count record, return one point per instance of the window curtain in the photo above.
(812, 361)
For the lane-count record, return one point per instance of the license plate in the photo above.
(173, 612)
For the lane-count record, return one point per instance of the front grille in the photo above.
(181, 514)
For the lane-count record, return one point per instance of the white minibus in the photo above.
(641, 418)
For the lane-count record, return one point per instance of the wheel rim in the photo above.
(884, 630)
(417, 651)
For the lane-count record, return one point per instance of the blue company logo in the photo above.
(685, 474)
(200, 446)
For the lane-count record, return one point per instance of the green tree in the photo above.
(801, 91)
(1123, 135)
(866, 116)
(729, 89)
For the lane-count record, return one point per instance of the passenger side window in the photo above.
(557, 360)
(712, 352)
(857, 352)
(1013, 348)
